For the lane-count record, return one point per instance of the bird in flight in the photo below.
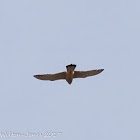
(69, 74)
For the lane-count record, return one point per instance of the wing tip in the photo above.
(36, 76)
(101, 70)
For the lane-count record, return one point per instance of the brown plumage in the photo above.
(69, 75)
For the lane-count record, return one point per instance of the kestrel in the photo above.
(69, 74)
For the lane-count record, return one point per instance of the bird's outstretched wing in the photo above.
(83, 74)
(51, 77)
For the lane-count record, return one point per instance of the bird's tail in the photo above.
(71, 67)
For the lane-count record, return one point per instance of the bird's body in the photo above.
(69, 75)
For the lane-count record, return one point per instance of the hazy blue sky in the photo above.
(43, 36)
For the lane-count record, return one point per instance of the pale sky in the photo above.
(43, 36)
